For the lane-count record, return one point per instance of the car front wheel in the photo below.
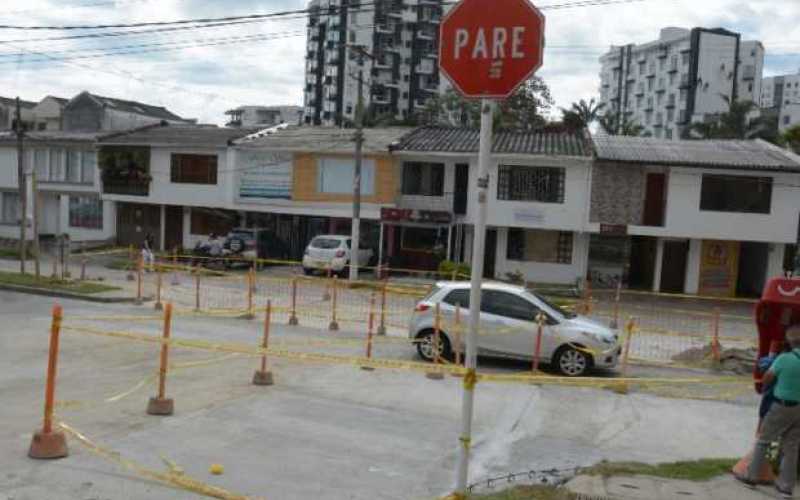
(572, 362)
(427, 348)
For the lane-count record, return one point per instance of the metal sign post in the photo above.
(478, 246)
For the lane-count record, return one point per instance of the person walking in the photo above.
(147, 251)
(782, 422)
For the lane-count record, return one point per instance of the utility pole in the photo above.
(355, 234)
(23, 190)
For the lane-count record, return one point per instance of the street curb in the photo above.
(69, 295)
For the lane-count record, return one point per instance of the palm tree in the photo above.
(614, 124)
(582, 114)
(736, 123)
(792, 138)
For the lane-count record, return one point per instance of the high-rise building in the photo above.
(781, 96)
(683, 77)
(398, 62)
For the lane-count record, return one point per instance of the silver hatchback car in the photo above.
(508, 328)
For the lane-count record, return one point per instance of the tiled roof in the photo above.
(165, 134)
(9, 101)
(49, 136)
(734, 154)
(323, 139)
(136, 107)
(465, 140)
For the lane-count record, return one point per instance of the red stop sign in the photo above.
(489, 47)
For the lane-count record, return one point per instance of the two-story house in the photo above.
(298, 182)
(174, 182)
(698, 217)
(537, 214)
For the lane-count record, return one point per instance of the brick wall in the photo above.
(618, 192)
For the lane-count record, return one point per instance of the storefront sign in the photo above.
(265, 175)
(529, 216)
(420, 216)
(719, 268)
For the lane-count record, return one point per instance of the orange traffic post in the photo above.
(197, 289)
(437, 345)
(161, 404)
(250, 283)
(630, 326)
(370, 326)
(334, 325)
(615, 320)
(716, 354)
(159, 306)
(327, 295)
(139, 277)
(537, 348)
(132, 261)
(264, 376)
(293, 315)
(175, 280)
(48, 443)
(382, 325)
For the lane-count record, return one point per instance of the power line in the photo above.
(310, 11)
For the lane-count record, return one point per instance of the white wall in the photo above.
(717, 53)
(541, 272)
(684, 219)
(692, 283)
(78, 234)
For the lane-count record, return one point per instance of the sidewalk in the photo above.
(653, 488)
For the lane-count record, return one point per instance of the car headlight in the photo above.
(599, 338)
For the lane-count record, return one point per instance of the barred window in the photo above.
(536, 245)
(542, 184)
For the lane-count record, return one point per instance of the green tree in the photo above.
(582, 113)
(523, 110)
(616, 124)
(739, 122)
(791, 138)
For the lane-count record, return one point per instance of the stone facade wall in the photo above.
(618, 192)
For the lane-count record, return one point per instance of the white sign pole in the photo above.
(478, 245)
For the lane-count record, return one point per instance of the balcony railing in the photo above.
(126, 187)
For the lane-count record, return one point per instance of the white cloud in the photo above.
(203, 82)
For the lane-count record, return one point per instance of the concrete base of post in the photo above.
(48, 446)
(381, 331)
(326, 297)
(368, 368)
(159, 306)
(434, 375)
(263, 378)
(334, 326)
(130, 277)
(293, 321)
(247, 316)
(160, 406)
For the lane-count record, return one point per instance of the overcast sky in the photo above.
(202, 82)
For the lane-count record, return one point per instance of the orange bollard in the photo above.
(162, 405)
(175, 280)
(334, 325)
(437, 342)
(250, 282)
(264, 376)
(537, 349)
(159, 306)
(293, 315)
(48, 443)
(629, 329)
(327, 295)
(382, 326)
(139, 285)
(370, 325)
(197, 289)
(716, 353)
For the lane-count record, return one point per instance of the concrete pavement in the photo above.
(652, 488)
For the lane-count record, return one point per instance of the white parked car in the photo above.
(333, 252)
(508, 328)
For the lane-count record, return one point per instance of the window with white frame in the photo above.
(73, 166)
(9, 208)
(523, 183)
(56, 173)
(536, 245)
(336, 176)
(88, 166)
(86, 212)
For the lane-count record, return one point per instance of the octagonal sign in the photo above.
(489, 47)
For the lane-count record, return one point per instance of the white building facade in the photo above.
(781, 95)
(683, 77)
(400, 72)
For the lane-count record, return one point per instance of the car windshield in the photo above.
(551, 305)
(325, 243)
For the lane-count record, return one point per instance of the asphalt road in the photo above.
(323, 431)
